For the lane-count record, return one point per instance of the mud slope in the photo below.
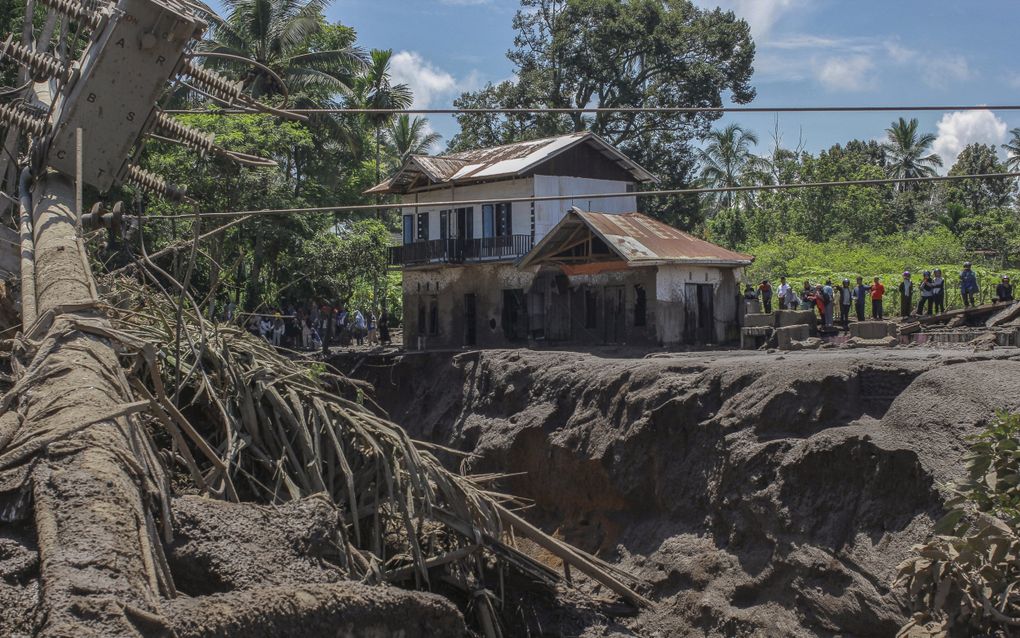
(759, 494)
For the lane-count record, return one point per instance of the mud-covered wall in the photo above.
(551, 307)
(445, 289)
(673, 300)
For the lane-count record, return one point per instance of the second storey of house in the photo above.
(496, 203)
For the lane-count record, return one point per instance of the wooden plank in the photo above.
(1007, 314)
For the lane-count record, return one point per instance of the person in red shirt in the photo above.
(877, 292)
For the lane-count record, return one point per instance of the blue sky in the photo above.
(810, 52)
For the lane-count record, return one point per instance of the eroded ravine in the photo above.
(756, 492)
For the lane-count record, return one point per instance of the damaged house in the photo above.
(486, 265)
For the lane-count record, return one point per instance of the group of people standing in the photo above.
(926, 297)
(312, 326)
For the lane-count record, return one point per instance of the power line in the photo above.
(593, 196)
(622, 109)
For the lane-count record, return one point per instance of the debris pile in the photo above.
(300, 490)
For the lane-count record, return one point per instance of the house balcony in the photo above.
(461, 251)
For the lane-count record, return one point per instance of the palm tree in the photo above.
(1013, 151)
(908, 152)
(407, 137)
(727, 160)
(375, 90)
(279, 35)
(952, 216)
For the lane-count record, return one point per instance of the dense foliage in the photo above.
(269, 262)
(868, 230)
(963, 581)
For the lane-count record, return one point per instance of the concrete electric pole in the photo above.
(74, 456)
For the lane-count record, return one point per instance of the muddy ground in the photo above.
(757, 494)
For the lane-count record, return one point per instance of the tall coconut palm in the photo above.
(375, 90)
(407, 137)
(279, 34)
(908, 153)
(727, 161)
(1013, 151)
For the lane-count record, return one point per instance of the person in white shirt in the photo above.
(784, 293)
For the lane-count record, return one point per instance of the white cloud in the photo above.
(431, 85)
(428, 82)
(941, 72)
(762, 15)
(851, 73)
(960, 128)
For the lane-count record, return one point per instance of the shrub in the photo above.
(964, 581)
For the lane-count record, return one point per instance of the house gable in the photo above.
(583, 161)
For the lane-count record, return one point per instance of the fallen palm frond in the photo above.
(270, 428)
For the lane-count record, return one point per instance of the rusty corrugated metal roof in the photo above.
(638, 239)
(498, 162)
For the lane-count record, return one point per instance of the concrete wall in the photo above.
(671, 300)
(603, 285)
(447, 287)
(547, 214)
(556, 306)
(495, 192)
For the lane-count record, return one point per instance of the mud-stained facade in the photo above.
(497, 305)
(488, 262)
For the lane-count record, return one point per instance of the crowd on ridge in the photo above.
(308, 327)
(927, 297)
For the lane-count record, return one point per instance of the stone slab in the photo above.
(759, 320)
(873, 330)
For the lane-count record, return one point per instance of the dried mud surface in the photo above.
(246, 570)
(758, 494)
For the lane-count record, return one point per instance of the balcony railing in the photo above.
(459, 251)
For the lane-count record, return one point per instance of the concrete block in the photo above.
(873, 330)
(790, 334)
(759, 320)
(786, 318)
(881, 342)
(754, 338)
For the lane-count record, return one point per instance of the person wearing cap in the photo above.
(927, 294)
(860, 295)
(938, 283)
(1004, 291)
(906, 295)
(846, 296)
(968, 286)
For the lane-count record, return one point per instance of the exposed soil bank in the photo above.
(769, 494)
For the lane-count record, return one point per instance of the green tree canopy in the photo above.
(979, 195)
